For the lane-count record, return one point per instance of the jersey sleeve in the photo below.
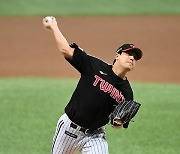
(80, 60)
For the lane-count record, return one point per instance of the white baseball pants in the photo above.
(68, 140)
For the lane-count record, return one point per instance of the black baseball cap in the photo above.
(130, 47)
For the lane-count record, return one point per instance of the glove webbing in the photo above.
(126, 110)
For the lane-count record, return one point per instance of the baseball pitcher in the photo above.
(103, 94)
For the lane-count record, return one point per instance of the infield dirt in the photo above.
(27, 49)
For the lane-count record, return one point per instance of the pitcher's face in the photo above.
(127, 60)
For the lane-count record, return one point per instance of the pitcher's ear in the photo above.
(117, 55)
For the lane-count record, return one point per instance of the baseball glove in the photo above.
(124, 112)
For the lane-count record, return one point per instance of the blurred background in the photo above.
(36, 82)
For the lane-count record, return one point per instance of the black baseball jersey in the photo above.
(98, 91)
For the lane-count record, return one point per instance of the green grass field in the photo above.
(88, 7)
(30, 108)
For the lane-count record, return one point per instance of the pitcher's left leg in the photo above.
(96, 144)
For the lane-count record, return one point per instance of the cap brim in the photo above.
(137, 51)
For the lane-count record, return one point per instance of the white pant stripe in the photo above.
(57, 132)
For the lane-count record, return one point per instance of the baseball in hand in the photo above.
(48, 19)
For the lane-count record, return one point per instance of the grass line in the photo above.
(88, 7)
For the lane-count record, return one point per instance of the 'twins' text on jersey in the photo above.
(108, 88)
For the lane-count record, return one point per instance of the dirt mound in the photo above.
(27, 49)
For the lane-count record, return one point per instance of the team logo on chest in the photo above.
(108, 88)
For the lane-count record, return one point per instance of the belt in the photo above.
(86, 131)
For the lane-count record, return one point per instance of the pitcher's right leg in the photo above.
(64, 140)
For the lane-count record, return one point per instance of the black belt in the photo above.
(86, 131)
